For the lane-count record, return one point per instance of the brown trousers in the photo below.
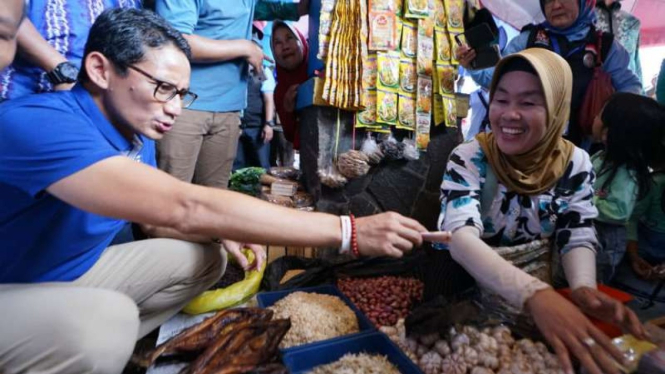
(201, 147)
(90, 325)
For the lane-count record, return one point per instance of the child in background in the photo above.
(627, 126)
(646, 228)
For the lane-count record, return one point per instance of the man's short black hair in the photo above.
(123, 34)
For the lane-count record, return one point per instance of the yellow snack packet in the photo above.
(386, 107)
(367, 116)
(388, 71)
(408, 78)
(409, 45)
(446, 75)
(406, 112)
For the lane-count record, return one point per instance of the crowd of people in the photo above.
(144, 128)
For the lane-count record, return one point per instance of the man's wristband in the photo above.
(347, 231)
(270, 123)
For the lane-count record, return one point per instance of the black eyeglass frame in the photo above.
(158, 82)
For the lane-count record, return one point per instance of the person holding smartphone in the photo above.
(567, 30)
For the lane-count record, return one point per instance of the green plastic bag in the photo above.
(234, 294)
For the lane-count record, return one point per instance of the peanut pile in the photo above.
(384, 300)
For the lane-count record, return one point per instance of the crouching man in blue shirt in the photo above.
(76, 165)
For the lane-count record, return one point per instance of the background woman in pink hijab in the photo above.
(290, 49)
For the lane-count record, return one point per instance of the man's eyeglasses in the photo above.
(166, 91)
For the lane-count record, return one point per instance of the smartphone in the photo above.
(482, 40)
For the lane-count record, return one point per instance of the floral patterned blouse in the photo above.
(564, 214)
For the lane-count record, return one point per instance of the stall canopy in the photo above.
(651, 13)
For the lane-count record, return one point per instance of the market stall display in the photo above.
(392, 63)
(384, 300)
(314, 317)
(248, 338)
(468, 349)
(361, 363)
(302, 360)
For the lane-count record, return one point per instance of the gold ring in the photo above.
(589, 342)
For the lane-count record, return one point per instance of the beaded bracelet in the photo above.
(354, 236)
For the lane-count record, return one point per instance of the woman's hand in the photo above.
(290, 99)
(642, 268)
(234, 249)
(387, 234)
(608, 309)
(568, 331)
(465, 55)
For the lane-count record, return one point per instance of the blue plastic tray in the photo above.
(305, 358)
(267, 299)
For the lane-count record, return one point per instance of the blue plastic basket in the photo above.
(305, 358)
(267, 299)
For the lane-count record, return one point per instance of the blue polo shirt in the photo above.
(222, 87)
(65, 25)
(43, 139)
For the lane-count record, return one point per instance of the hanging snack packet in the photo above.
(425, 56)
(440, 20)
(382, 29)
(424, 96)
(367, 116)
(408, 78)
(386, 107)
(439, 110)
(423, 126)
(442, 43)
(416, 9)
(353, 164)
(425, 47)
(409, 43)
(446, 75)
(449, 105)
(406, 112)
(325, 20)
(371, 149)
(369, 72)
(388, 71)
(455, 13)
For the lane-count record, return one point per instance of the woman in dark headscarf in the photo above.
(568, 30)
(290, 49)
(523, 184)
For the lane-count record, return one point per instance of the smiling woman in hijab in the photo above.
(568, 31)
(290, 49)
(519, 185)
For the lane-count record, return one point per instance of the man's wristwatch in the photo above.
(270, 123)
(65, 72)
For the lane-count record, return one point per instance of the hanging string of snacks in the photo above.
(393, 61)
(346, 52)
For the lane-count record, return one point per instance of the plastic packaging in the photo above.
(410, 150)
(371, 149)
(232, 295)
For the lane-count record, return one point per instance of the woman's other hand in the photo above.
(608, 309)
(290, 99)
(387, 234)
(641, 267)
(569, 332)
(465, 55)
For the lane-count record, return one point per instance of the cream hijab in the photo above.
(539, 169)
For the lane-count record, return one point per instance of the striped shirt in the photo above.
(65, 25)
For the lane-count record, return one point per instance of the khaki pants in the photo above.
(201, 147)
(91, 325)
